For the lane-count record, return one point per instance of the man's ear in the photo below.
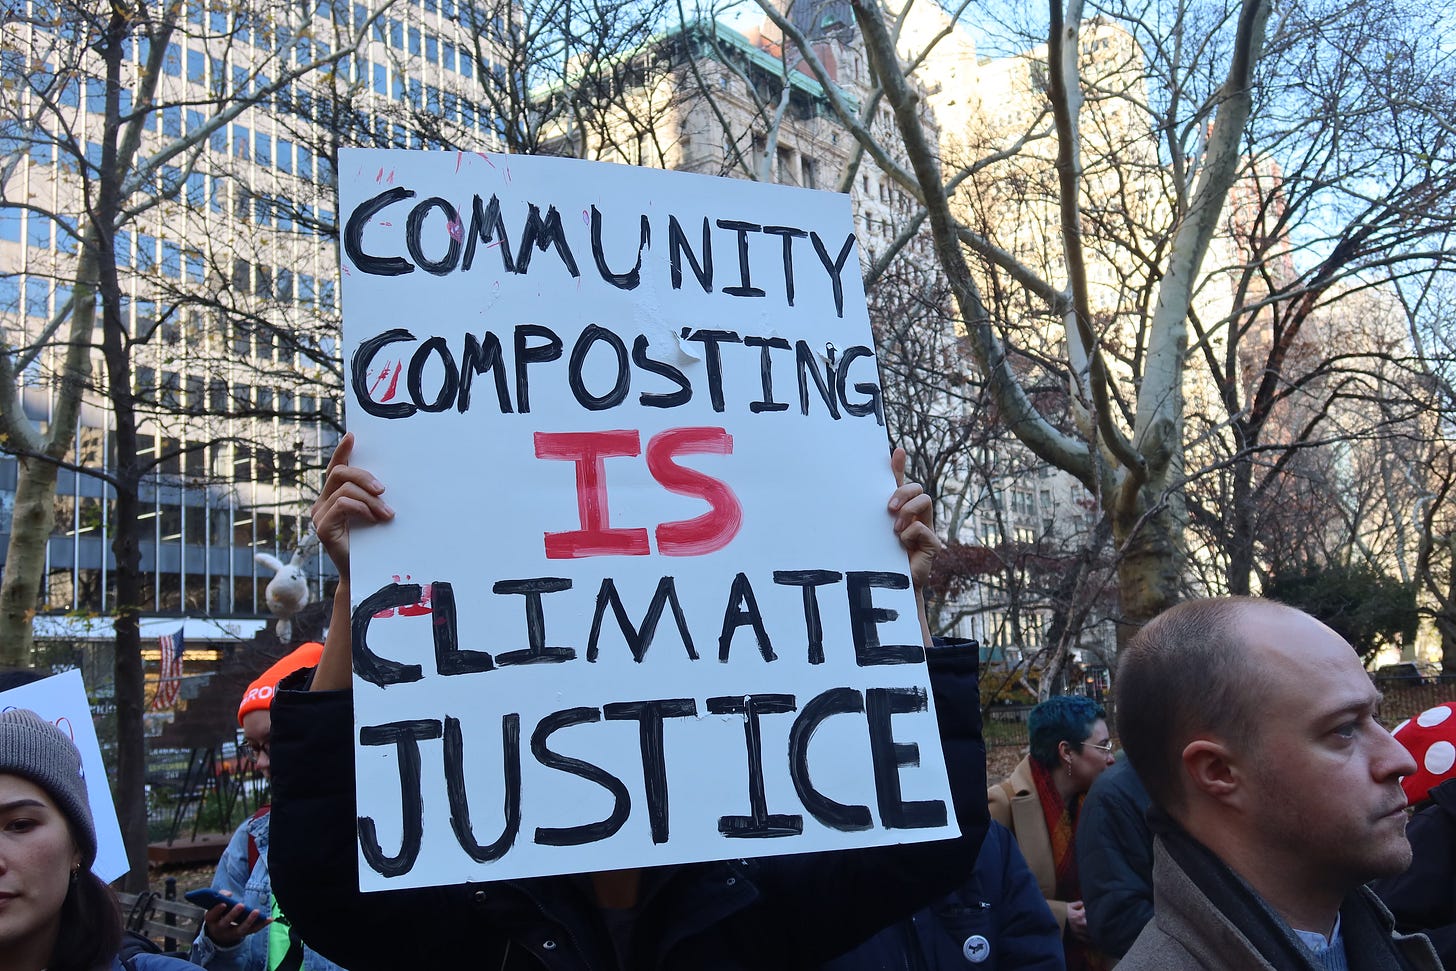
(1211, 770)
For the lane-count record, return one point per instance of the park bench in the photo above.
(172, 924)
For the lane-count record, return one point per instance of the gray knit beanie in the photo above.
(35, 749)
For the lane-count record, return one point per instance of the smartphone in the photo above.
(207, 898)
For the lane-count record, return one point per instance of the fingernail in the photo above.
(375, 484)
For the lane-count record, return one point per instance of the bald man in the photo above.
(1276, 793)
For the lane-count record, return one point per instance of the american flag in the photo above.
(171, 680)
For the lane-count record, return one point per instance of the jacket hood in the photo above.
(1444, 796)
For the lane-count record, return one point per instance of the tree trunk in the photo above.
(1150, 540)
(130, 686)
(1240, 528)
(1445, 622)
(30, 530)
(131, 754)
(35, 487)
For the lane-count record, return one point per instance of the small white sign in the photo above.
(641, 603)
(62, 699)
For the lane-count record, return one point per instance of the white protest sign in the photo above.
(61, 699)
(641, 602)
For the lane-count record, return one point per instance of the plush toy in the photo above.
(287, 592)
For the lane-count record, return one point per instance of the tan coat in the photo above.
(1188, 933)
(1021, 813)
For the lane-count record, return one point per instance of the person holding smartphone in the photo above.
(244, 930)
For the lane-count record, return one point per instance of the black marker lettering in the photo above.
(542, 233)
(745, 287)
(481, 356)
(889, 755)
(813, 625)
(621, 799)
(765, 372)
(864, 618)
(622, 281)
(406, 737)
(681, 396)
(448, 386)
(835, 815)
(760, 822)
(359, 368)
(713, 359)
(649, 716)
(808, 365)
(460, 803)
(527, 354)
(486, 225)
(834, 267)
(414, 227)
(639, 639)
(450, 659)
(354, 236)
(859, 409)
(789, 234)
(591, 335)
(368, 665)
(677, 245)
(536, 652)
(747, 615)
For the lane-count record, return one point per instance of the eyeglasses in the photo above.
(1106, 748)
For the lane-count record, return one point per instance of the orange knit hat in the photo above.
(259, 696)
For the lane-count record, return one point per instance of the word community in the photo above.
(455, 245)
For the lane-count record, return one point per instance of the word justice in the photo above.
(875, 705)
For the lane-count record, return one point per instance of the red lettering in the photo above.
(596, 537)
(715, 528)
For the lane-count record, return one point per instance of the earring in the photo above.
(76, 873)
(1069, 768)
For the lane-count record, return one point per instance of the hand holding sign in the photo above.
(348, 493)
(914, 513)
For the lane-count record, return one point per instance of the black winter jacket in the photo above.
(997, 921)
(1115, 859)
(1423, 898)
(780, 912)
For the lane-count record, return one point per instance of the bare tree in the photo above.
(157, 85)
(1133, 299)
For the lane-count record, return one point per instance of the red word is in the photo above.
(711, 531)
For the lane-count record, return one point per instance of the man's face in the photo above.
(1327, 772)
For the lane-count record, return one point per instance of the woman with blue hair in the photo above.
(1038, 802)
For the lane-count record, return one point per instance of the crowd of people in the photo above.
(1258, 821)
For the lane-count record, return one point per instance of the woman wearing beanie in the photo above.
(253, 935)
(55, 914)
